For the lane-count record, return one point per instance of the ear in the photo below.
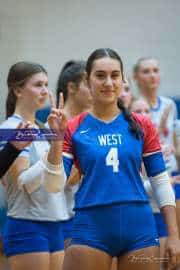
(71, 87)
(18, 92)
(135, 76)
(87, 80)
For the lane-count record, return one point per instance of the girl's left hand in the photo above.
(57, 119)
(172, 252)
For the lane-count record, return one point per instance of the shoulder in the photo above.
(142, 120)
(167, 101)
(148, 128)
(76, 121)
(10, 122)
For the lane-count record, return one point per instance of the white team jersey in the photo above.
(157, 112)
(40, 204)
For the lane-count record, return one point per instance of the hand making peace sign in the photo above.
(57, 119)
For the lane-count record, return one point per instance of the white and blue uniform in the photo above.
(33, 219)
(109, 157)
(167, 136)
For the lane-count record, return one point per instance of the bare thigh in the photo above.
(80, 257)
(4, 265)
(142, 259)
(29, 261)
(67, 243)
(56, 260)
(114, 265)
(162, 247)
(178, 213)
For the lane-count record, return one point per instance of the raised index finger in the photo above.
(61, 101)
(52, 101)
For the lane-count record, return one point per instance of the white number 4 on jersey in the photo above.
(112, 159)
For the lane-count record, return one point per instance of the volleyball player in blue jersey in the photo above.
(112, 213)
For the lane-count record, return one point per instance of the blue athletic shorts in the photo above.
(25, 236)
(176, 186)
(177, 191)
(115, 229)
(161, 225)
(3, 217)
(67, 227)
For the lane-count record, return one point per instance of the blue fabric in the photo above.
(176, 186)
(177, 191)
(26, 236)
(3, 217)
(177, 101)
(43, 114)
(67, 227)
(109, 166)
(161, 225)
(67, 165)
(154, 164)
(116, 229)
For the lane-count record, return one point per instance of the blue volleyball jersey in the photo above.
(109, 157)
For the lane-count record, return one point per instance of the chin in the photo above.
(109, 101)
(41, 105)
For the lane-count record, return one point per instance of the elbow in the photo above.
(54, 187)
(54, 182)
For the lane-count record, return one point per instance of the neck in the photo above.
(150, 96)
(71, 109)
(105, 112)
(25, 113)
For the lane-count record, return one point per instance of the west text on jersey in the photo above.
(110, 139)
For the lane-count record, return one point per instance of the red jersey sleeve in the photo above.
(150, 134)
(72, 126)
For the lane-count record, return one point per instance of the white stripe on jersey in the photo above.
(152, 153)
(68, 155)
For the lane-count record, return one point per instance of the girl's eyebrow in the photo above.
(117, 71)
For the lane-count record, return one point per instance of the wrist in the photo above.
(173, 232)
(15, 146)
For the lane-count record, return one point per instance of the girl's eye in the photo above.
(156, 70)
(100, 76)
(145, 71)
(115, 76)
(127, 89)
(138, 111)
(38, 84)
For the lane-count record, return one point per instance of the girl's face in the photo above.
(126, 95)
(148, 75)
(33, 94)
(105, 80)
(141, 106)
(83, 96)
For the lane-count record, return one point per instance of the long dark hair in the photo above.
(107, 52)
(72, 71)
(18, 75)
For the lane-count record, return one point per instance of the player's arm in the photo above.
(12, 149)
(162, 189)
(7, 156)
(49, 170)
